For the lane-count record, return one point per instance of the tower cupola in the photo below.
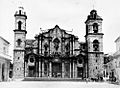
(20, 12)
(20, 20)
(93, 16)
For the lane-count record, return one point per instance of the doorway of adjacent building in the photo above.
(56, 70)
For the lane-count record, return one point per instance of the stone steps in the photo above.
(51, 79)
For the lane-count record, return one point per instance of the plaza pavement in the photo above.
(56, 84)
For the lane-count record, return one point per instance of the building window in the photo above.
(106, 74)
(95, 28)
(4, 50)
(19, 25)
(95, 45)
(87, 30)
(96, 60)
(96, 67)
(18, 58)
(96, 55)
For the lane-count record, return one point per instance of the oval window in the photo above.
(31, 60)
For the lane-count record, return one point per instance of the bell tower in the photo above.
(19, 43)
(94, 41)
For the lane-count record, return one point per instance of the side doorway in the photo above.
(80, 72)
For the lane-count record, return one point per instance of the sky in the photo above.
(68, 14)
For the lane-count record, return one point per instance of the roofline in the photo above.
(117, 39)
(54, 28)
(4, 40)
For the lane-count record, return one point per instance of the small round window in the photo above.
(31, 60)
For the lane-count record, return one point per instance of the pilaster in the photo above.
(40, 69)
(73, 69)
(63, 69)
(50, 69)
(43, 69)
(70, 69)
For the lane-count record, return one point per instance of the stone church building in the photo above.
(55, 53)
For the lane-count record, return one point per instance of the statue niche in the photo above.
(46, 47)
(56, 43)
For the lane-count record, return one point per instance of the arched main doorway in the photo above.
(80, 72)
(81, 67)
(56, 70)
(31, 65)
(31, 71)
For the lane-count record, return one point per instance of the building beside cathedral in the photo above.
(5, 59)
(56, 53)
(113, 66)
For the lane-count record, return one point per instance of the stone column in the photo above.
(26, 69)
(73, 47)
(50, 69)
(73, 69)
(70, 69)
(63, 70)
(4, 71)
(7, 71)
(43, 69)
(1, 71)
(8, 67)
(86, 71)
(36, 69)
(40, 69)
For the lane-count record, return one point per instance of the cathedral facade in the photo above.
(55, 53)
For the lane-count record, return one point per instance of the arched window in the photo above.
(95, 45)
(31, 59)
(93, 14)
(19, 42)
(19, 25)
(95, 28)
